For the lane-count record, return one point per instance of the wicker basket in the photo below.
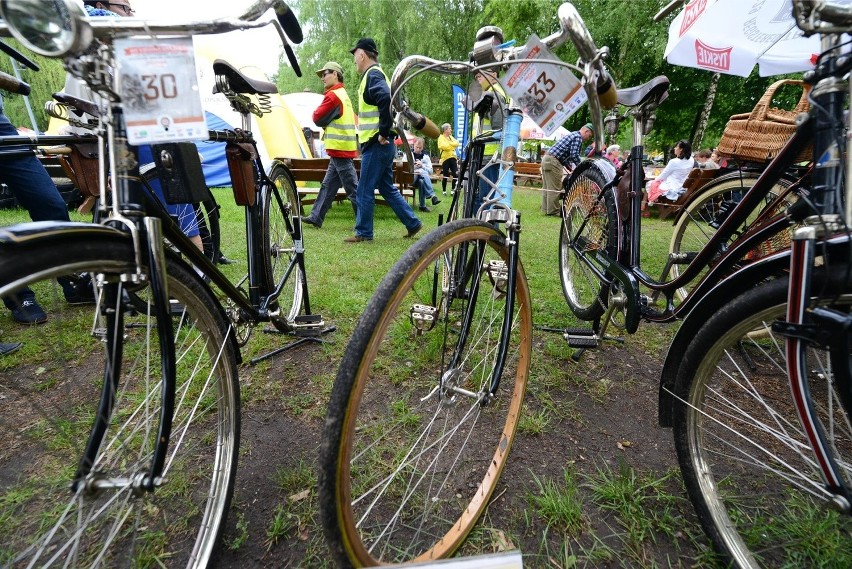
(759, 135)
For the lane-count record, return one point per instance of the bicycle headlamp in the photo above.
(52, 28)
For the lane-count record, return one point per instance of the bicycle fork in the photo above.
(820, 326)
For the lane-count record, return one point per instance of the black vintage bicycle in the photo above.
(121, 418)
(757, 383)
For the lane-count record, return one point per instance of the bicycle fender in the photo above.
(776, 265)
(47, 230)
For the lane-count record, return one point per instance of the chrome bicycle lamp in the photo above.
(52, 28)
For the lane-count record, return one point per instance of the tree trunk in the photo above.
(701, 122)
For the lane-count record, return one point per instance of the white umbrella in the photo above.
(731, 36)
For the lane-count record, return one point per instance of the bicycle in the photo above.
(600, 235)
(767, 467)
(415, 442)
(122, 419)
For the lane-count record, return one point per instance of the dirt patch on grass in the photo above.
(597, 432)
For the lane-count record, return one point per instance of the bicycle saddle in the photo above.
(656, 90)
(76, 104)
(241, 83)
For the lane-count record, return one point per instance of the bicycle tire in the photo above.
(592, 219)
(692, 229)
(276, 222)
(281, 177)
(54, 384)
(388, 415)
(746, 463)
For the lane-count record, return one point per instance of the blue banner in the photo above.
(459, 119)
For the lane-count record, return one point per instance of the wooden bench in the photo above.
(314, 169)
(697, 179)
(527, 172)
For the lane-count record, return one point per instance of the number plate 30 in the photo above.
(159, 90)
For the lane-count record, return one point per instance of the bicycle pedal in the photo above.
(582, 341)
(578, 332)
(308, 325)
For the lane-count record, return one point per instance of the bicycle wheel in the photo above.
(280, 259)
(413, 445)
(746, 462)
(695, 226)
(281, 177)
(589, 224)
(64, 505)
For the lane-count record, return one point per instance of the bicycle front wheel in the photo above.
(589, 224)
(415, 441)
(281, 267)
(82, 399)
(749, 470)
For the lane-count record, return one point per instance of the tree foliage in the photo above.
(48, 80)
(446, 30)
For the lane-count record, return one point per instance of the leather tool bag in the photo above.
(240, 157)
(179, 171)
(82, 167)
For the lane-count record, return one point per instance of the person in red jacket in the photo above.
(336, 115)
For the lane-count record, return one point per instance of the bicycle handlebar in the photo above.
(13, 84)
(600, 88)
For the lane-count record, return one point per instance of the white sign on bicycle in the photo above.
(159, 91)
(548, 93)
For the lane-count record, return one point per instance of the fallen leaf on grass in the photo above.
(300, 496)
(624, 444)
(501, 542)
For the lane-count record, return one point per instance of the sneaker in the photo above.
(313, 222)
(444, 192)
(412, 232)
(29, 312)
(424, 208)
(435, 200)
(356, 239)
(8, 348)
(223, 260)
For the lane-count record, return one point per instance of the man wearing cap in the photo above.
(335, 114)
(377, 148)
(564, 154)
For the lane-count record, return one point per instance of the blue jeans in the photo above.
(340, 173)
(491, 173)
(377, 173)
(34, 189)
(424, 189)
(30, 183)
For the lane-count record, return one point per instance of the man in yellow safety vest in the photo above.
(336, 115)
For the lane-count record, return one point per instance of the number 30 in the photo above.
(160, 85)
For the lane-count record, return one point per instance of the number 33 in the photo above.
(546, 82)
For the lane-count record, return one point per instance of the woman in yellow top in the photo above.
(449, 163)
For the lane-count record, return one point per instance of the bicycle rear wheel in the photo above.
(414, 444)
(703, 214)
(64, 505)
(277, 221)
(589, 224)
(747, 465)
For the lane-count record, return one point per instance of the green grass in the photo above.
(342, 278)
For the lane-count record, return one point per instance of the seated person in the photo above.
(669, 184)
(613, 154)
(705, 162)
(423, 175)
